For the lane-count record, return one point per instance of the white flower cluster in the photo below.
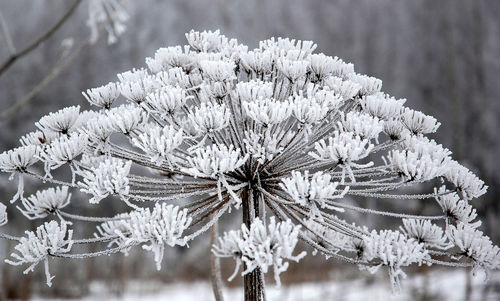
(393, 249)
(261, 247)
(159, 143)
(343, 149)
(423, 231)
(110, 177)
(164, 224)
(476, 246)
(63, 150)
(45, 202)
(319, 189)
(468, 183)
(19, 159)
(456, 209)
(49, 239)
(60, 122)
(103, 96)
(214, 160)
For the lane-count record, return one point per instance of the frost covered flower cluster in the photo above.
(261, 247)
(49, 239)
(217, 127)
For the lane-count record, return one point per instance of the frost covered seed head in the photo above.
(49, 238)
(110, 177)
(45, 202)
(277, 130)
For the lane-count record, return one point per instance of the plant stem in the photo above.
(254, 281)
(215, 273)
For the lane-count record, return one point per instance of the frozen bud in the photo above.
(60, 122)
(467, 182)
(308, 110)
(382, 106)
(394, 250)
(423, 146)
(63, 150)
(476, 246)
(45, 202)
(167, 100)
(252, 90)
(171, 57)
(264, 147)
(3, 214)
(133, 75)
(318, 189)
(257, 61)
(174, 77)
(416, 167)
(293, 70)
(136, 91)
(342, 148)
(261, 247)
(328, 99)
(302, 49)
(267, 111)
(213, 160)
(103, 96)
(218, 71)
(395, 129)
(455, 209)
(37, 138)
(49, 239)
(215, 91)
(126, 119)
(423, 231)
(19, 159)
(419, 123)
(110, 177)
(344, 89)
(209, 117)
(363, 125)
(206, 41)
(323, 66)
(164, 224)
(159, 143)
(369, 85)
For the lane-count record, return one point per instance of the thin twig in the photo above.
(15, 57)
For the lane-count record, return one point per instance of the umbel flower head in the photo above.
(277, 130)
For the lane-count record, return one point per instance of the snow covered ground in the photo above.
(441, 285)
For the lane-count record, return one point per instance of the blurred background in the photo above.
(442, 56)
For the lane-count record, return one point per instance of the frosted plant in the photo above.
(277, 130)
(259, 247)
(50, 239)
(45, 202)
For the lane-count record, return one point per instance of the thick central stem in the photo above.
(254, 281)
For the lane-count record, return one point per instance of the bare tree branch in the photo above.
(13, 58)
